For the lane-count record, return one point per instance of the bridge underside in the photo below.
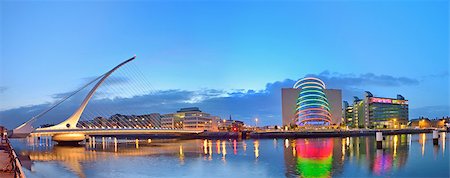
(77, 135)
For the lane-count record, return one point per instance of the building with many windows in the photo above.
(309, 103)
(147, 121)
(347, 115)
(378, 112)
(190, 119)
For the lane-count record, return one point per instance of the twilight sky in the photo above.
(227, 57)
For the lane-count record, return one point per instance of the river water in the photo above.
(401, 156)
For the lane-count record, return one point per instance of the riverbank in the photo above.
(303, 134)
(10, 166)
(335, 133)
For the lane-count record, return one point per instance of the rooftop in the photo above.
(190, 109)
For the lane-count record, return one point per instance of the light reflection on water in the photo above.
(402, 155)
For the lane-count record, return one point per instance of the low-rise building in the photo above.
(423, 122)
(231, 125)
(147, 121)
(190, 119)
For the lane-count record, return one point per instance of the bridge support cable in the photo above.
(112, 109)
(72, 121)
(147, 84)
(115, 90)
(113, 86)
(27, 127)
(145, 89)
(141, 80)
(89, 117)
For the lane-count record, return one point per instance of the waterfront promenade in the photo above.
(10, 166)
(5, 165)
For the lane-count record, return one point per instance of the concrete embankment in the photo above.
(300, 134)
(335, 133)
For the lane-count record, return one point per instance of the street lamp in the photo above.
(256, 122)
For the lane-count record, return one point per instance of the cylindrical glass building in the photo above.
(312, 103)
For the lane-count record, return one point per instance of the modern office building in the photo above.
(309, 103)
(190, 119)
(347, 115)
(377, 112)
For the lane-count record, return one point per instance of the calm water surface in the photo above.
(402, 156)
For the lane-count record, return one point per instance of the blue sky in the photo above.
(49, 48)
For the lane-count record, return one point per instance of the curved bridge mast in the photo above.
(71, 122)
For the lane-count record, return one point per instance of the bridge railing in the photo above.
(15, 164)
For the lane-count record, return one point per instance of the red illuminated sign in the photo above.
(380, 100)
(387, 100)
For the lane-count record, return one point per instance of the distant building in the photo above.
(347, 115)
(377, 112)
(309, 103)
(420, 122)
(148, 121)
(231, 125)
(190, 119)
(423, 122)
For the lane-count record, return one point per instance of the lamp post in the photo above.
(256, 122)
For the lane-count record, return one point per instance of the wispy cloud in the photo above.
(3, 89)
(430, 111)
(367, 79)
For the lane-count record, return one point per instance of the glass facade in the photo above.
(347, 113)
(377, 112)
(312, 103)
(388, 113)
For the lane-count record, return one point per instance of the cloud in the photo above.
(241, 104)
(430, 112)
(355, 85)
(3, 89)
(367, 79)
(443, 74)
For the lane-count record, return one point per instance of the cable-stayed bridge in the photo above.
(72, 129)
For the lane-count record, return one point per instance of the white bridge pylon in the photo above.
(71, 122)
